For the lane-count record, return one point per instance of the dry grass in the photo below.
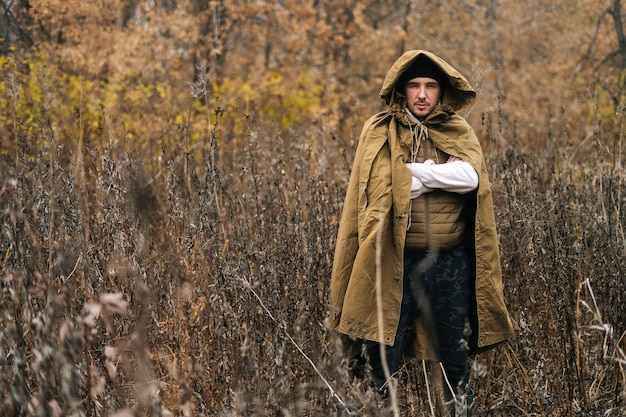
(133, 285)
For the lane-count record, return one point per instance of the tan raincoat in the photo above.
(376, 212)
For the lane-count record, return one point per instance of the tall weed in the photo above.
(135, 283)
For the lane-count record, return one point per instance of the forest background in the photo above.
(172, 173)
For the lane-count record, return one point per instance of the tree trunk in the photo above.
(616, 12)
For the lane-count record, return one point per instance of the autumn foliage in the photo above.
(172, 175)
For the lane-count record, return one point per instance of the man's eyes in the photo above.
(429, 85)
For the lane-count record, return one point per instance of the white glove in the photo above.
(418, 188)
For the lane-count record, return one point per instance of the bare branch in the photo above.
(594, 37)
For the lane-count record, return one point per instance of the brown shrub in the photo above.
(162, 286)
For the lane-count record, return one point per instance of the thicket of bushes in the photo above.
(147, 275)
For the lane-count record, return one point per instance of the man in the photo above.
(418, 219)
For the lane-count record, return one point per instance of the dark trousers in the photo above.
(438, 288)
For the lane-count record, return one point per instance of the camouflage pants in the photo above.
(437, 287)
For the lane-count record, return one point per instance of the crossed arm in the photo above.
(454, 176)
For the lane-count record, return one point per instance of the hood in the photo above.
(458, 94)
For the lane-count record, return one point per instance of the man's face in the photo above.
(422, 95)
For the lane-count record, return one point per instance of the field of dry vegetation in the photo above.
(167, 235)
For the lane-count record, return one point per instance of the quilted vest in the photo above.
(437, 222)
